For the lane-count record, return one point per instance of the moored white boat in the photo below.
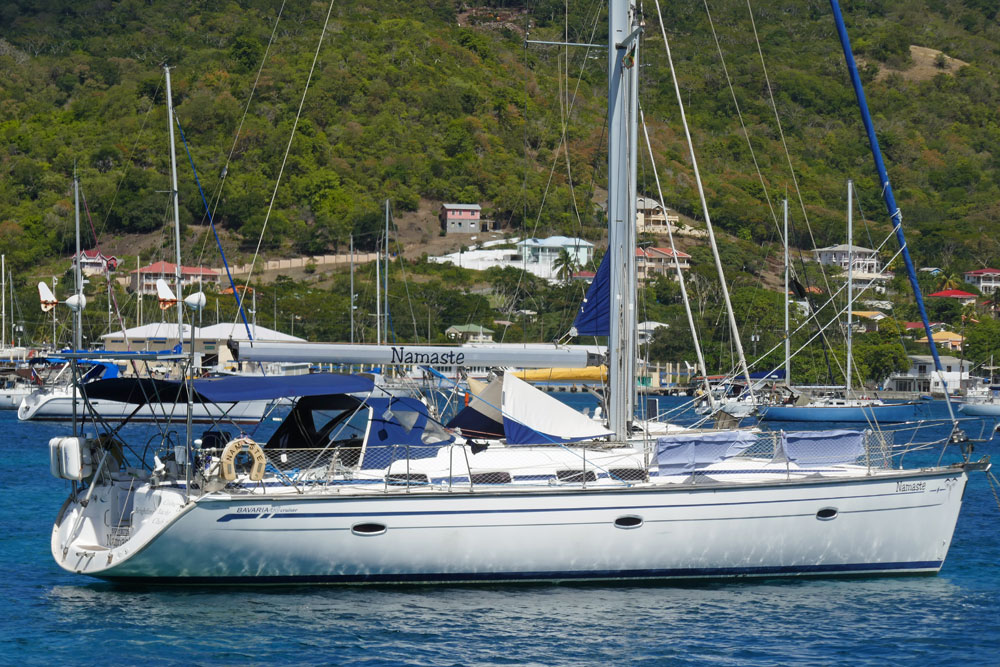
(353, 487)
(56, 404)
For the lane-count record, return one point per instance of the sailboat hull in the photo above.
(895, 523)
(886, 413)
(980, 409)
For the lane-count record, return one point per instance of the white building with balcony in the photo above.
(922, 378)
(987, 280)
(865, 259)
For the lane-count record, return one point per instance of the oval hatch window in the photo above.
(368, 529)
(628, 521)
(827, 513)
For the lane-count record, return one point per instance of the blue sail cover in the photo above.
(822, 447)
(683, 453)
(594, 317)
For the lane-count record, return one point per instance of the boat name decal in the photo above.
(264, 509)
(909, 487)
(400, 355)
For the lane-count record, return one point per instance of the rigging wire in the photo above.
(211, 220)
(704, 204)
(288, 149)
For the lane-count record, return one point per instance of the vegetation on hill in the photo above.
(437, 101)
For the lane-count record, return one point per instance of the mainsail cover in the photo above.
(594, 317)
(533, 417)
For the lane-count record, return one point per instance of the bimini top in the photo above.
(140, 391)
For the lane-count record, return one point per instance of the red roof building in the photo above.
(653, 262)
(93, 262)
(964, 297)
(987, 280)
(143, 280)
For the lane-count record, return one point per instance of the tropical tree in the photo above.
(565, 265)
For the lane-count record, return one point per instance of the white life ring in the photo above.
(227, 467)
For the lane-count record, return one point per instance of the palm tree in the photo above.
(565, 265)
(949, 280)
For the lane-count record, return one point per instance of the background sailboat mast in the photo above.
(623, 46)
(788, 340)
(850, 284)
(3, 304)
(177, 215)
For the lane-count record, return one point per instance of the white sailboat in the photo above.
(356, 488)
(847, 406)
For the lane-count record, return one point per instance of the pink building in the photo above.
(461, 218)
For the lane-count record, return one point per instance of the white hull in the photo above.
(11, 398)
(980, 409)
(48, 405)
(888, 523)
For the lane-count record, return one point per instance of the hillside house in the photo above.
(653, 262)
(94, 262)
(651, 217)
(865, 259)
(461, 218)
(469, 333)
(143, 280)
(963, 297)
(987, 280)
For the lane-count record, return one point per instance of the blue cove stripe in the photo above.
(234, 516)
(844, 569)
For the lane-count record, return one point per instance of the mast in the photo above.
(788, 341)
(385, 275)
(77, 276)
(352, 287)
(623, 46)
(177, 216)
(850, 283)
(3, 302)
(77, 289)
(138, 284)
(378, 293)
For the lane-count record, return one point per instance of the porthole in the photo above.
(628, 521)
(827, 514)
(368, 529)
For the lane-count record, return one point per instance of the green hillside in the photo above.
(406, 104)
(434, 101)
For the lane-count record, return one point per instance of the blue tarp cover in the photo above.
(678, 454)
(397, 432)
(822, 447)
(227, 389)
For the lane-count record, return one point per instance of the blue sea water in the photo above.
(49, 616)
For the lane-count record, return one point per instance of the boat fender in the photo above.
(227, 461)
